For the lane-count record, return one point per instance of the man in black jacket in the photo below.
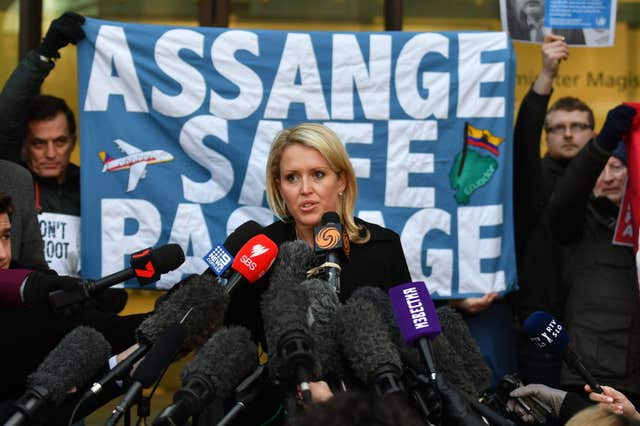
(40, 132)
(569, 126)
(602, 309)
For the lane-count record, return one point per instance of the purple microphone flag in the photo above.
(414, 311)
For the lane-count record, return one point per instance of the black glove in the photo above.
(111, 300)
(38, 286)
(62, 31)
(618, 122)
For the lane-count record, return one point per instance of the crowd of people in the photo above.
(565, 208)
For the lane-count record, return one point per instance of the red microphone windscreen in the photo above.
(255, 257)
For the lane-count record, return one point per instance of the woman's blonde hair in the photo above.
(326, 142)
(597, 416)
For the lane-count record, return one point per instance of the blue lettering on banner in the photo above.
(176, 125)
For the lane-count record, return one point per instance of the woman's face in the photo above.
(308, 185)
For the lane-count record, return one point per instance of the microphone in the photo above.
(222, 362)
(457, 355)
(78, 356)
(253, 260)
(322, 312)
(220, 257)
(294, 259)
(246, 392)
(549, 335)
(416, 317)
(380, 300)
(147, 266)
(151, 367)
(367, 345)
(284, 310)
(198, 303)
(328, 240)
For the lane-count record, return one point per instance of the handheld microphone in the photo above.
(198, 303)
(151, 367)
(291, 354)
(367, 345)
(147, 266)
(222, 362)
(549, 335)
(220, 257)
(328, 240)
(253, 260)
(78, 356)
(416, 317)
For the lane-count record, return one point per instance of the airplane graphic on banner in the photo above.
(135, 160)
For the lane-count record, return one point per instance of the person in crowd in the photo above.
(20, 287)
(602, 308)
(27, 248)
(614, 402)
(568, 126)
(308, 174)
(29, 328)
(39, 131)
(569, 407)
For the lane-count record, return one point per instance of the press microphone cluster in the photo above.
(419, 325)
(147, 266)
(368, 347)
(72, 363)
(220, 257)
(251, 262)
(549, 335)
(284, 310)
(198, 303)
(221, 364)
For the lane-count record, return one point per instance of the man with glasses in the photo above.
(40, 131)
(568, 126)
(602, 306)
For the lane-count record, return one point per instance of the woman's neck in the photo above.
(305, 234)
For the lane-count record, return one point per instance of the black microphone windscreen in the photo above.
(160, 356)
(283, 309)
(294, 259)
(225, 359)
(458, 356)
(330, 217)
(365, 339)
(323, 308)
(167, 258)
(199, 302)
(241, 235)
(380, 300)
(78, 356)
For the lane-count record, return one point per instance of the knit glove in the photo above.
(618, 122)
(62, 31)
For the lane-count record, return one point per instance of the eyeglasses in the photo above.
(574, 127)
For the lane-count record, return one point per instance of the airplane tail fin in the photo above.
(106, 158)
